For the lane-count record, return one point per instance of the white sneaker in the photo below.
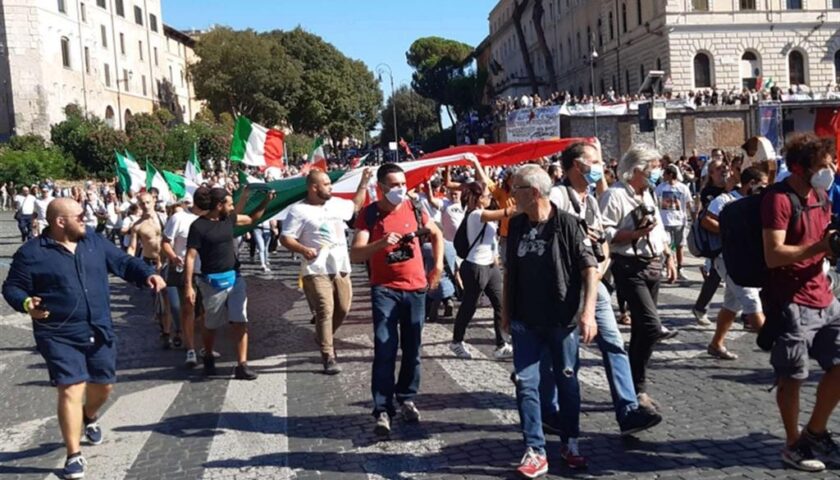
(461, 350)
(681, 274)
(701, 317)
(505, 351)
(191, 360)
(203, 352)
(266, 269)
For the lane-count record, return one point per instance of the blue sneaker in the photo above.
(93, 433)
(74, 467)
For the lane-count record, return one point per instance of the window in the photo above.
(171, 76)
(140, 48)
(87, 60)
(62, 7)
(624, 18)
(702, 71)
(104, 36)
(138, 15)
(145, 92)
(65, 52)
(794, 4)
(182, 78)
(153, 22)
(639, 12)
(747, 4)
(600, 34)
(641, 74)
(119, 7)
(83, 12)
(612, 29)
(579, 49)
(837, 67)
(796, 66)
(627, 79)
(127, 116)
(107, 75)
(122, 43)
(700, 5)
(835, 3)
(125, 79)
(100, 3)
(109, 116)
(156, 56)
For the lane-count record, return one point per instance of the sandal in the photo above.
(721, 354)
(624, 319)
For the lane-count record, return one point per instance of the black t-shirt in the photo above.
(710, 193)
(215, 244)
(536, 299)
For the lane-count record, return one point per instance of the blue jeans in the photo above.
(616, 363)
(529, 346)
(262, 237)
(397, 323)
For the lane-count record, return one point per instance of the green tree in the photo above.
(417, 118)
(436, 62)
(338, 96)
(298, 145)
(245, 73)
(147, 136)
(30, 166)
(89, 141)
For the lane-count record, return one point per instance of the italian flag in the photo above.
(255, 145)
(132, 178)
(317, 158)
(192, 172)
(358, 161)
(170, 185)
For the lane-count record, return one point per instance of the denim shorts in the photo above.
(71, 364)
(806, 332)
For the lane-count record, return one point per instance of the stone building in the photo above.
(111, 57)
(697, 43)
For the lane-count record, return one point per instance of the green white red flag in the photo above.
(255, 145)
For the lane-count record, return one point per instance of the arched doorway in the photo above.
(750, 69)
(127, 116)
(109, 116)
(702, 71)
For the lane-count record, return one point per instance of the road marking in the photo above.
(114, 458)
(253, 421)
(16, 438)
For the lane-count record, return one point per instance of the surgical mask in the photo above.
(823, 179)
(397, 195)
(654, 176)
(596, 172)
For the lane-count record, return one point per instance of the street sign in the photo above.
(392, 146)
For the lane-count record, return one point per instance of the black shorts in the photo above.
(175, 279)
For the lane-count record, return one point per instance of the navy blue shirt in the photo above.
(73, 287)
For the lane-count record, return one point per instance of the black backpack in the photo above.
(741, 235)
(462, 244)
(701, 242)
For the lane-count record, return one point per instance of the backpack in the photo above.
(701, 242)
(462, 244)
(741, 235)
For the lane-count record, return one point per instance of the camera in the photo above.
(597, 245)
(404, 251)
(643, 216)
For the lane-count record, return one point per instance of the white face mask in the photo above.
(397, 195)
(823, 179)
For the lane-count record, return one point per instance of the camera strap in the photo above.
(417, 206)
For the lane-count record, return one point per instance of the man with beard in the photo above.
(211, 239)
(316, 229)
(61, 280)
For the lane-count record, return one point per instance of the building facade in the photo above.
(111, 57)
(699, 44)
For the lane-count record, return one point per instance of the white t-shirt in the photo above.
(176, 230)
(453, 215)
(323, 228)
(673, 201)
(484, 252)
(25, 204)
(431, 211)
(763, 153)
(716, 205)
(41, 205)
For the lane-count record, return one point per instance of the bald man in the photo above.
(61, 280)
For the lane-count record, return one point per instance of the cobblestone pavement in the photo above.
(293, 422)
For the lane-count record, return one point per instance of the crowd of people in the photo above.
(548, 243)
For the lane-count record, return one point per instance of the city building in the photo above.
(699, 44)
(113, 58)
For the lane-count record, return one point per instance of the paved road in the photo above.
(293, 422)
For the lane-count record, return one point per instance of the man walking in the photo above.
(223, 290)
(25, 205)
(61, 280)
(386, 236)
(316, 229)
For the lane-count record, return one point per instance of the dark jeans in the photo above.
(397, 323)
(25, 227)
(639, 284)
(477, 279)
(710, 286)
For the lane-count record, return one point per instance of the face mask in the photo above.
(596, 172)
(396, 195)
(823, 179)
(654, 176)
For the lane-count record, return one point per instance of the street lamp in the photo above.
(379, 69)
(592, 56)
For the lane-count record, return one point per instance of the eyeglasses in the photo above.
(520, 187)
(79, 218)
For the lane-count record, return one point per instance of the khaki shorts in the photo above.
(223, 306)
(806, 332)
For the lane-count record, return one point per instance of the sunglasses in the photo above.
(79, 218)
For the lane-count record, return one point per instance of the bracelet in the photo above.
(27, 304)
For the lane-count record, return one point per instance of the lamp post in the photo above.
(592, 56)
(379, 69)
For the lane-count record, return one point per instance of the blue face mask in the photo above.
(596, 172)
(654, 176)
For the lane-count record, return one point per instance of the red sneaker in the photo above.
(533, 464)
(571, 454)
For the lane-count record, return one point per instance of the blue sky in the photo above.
(373, 31)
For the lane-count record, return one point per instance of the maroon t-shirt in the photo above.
(804, 282)
(408, 275)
